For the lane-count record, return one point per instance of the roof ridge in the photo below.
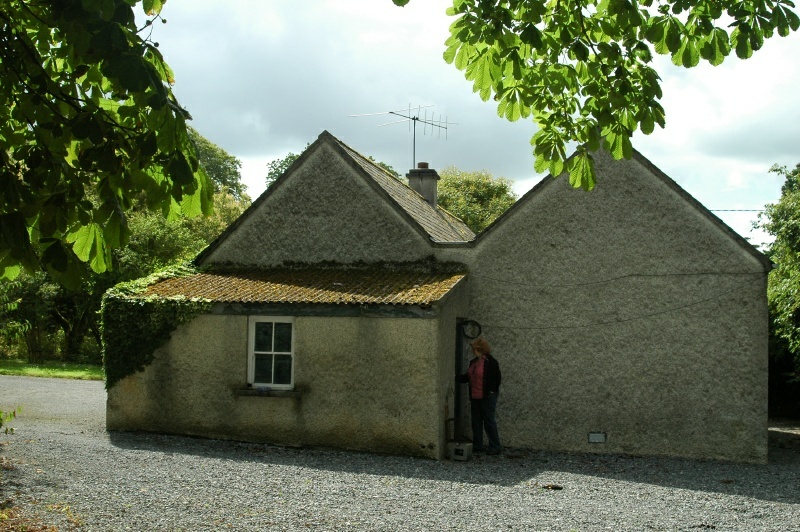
(430, 264)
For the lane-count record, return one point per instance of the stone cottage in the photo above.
(626, 320)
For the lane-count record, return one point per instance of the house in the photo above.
(626, 320)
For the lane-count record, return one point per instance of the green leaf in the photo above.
(90, 246)
(480, 71)
(642, 52)
(581, 171)
(166, 133)
(9, 270)
(87, 117)
(110, 40)
(510, 107)
(191, 204)
(674, 36)
(153, 7)
(130, 69)
(793, 20)
(56, 256)
(179, 170)
(531, 36)
(154, 57)
(618, 143)
(656, 32)
(716, 47)
(464, 56)
(148, 145)
(541, 165)
(172, 210)
(741, 42)
(687, 55)
(450, 52)
(400, 3)
(647, 124)
(115, 232)
(580, 51)
(556, 167)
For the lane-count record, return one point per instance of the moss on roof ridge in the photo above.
(428, 265)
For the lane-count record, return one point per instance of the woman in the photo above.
(483, 376)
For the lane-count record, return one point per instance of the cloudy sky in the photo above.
(262, 78)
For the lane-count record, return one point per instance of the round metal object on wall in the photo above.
(471, 329)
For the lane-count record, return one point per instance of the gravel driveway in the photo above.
(62, 466)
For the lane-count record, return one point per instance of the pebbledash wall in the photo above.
(627, 313)
(377, 384)
(320, 213)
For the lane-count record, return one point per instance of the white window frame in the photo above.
(251, 352)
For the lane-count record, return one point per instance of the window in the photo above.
(271, 352)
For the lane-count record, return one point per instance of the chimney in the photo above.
(423, 180)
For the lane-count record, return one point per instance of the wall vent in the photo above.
(597, 437)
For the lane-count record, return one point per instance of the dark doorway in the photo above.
(466, 330)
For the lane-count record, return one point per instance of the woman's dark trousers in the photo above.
(483, 417)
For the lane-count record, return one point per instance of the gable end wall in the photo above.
(625, 311)
(323, 211)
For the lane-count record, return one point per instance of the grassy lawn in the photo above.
(60, 370)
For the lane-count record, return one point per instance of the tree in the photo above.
(37, 307)
(782, 221)
(222, 168)
(87, 122)
(157, 243)
(277, 167)
(477, 198)
(29, 320)
(33, 307)
(582, 69)
(389, 170)
(12, 329)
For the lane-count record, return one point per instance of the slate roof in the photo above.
(343, 286)
(439, 224)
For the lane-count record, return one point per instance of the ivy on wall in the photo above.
(135, 326)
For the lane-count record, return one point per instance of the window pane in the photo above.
(283, 369)
(283, 337)
(263, 336)
(263, 373)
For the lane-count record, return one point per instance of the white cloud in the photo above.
(265, 78)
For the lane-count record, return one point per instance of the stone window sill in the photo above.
(254, 392)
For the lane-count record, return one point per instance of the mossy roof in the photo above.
(312, 285)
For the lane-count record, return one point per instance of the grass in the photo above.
(58, 370)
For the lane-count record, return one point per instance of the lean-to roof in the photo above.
(343, 286)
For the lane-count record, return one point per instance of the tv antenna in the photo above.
(413, 117)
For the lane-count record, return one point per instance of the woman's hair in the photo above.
(480, 345)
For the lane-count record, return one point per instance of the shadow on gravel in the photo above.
(784, 443)
(517, 466)
(80, 407)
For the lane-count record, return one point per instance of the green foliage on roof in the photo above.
(134, 327)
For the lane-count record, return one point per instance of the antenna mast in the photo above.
(413, 117)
